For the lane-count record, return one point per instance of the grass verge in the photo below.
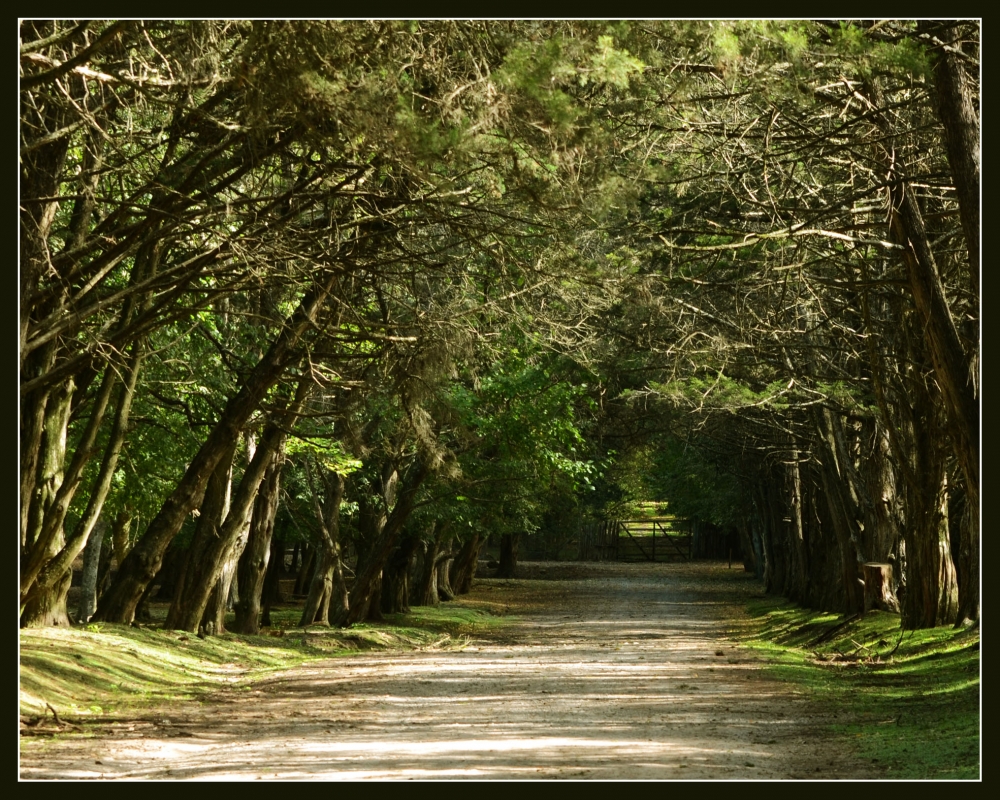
(107, 671)
(913, 696)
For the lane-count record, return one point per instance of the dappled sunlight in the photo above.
(596, 693)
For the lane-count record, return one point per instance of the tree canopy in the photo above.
(402, 286)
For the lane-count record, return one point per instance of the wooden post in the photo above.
(878, 587)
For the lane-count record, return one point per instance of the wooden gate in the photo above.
(648, 539)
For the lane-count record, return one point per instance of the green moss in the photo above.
(111, 669)
(913, 695)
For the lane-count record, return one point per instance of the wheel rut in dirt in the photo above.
(623, 673)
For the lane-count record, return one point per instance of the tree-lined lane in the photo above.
(624, 676)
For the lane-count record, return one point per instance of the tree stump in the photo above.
(878, 587)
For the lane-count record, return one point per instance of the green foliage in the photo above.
(692, 484)
(527, 419)
(330, 454)
(694, 210)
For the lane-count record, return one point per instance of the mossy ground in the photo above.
(913, 697)
(107, 670)
(915, 694)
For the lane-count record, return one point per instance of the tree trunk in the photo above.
(54, 516)
(445, 592)
(425, 593)
(47, 609)
(91, 562)
(373, 605)
(369, 571)
(186, 609)
(304, 575)
(142, 564)
(216, 551)
(272, 577)
(41, 170)
(213, 619)
(464, 568)
(798, 530)
(840, 493)
(954, 370)
(43, 606)
(317, 607)
(47, 573)
(396, 578)
(957, 114)
(256, 555)
(321, 590)
(931, 596)
(966, 557)
(509, 543)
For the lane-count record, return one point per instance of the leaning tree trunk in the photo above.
(967, 562)
(931, 596)
(436, 552)
(182, 614)
(369, 571)
(48, 607)
(445, 592)
(317, 608)
(425, 592)
(307, 568)
(214, 552)
(53, 516)
(373, 605)
(213, 618)
(253, 564)
(143, 562)
(324, 582)
(840, 489)
(46, 578)
(955, 107)
(954, 368)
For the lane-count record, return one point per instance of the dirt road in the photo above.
(626, 674)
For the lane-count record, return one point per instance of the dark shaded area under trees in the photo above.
(385, 291)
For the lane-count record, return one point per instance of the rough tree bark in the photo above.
(369, 572)
(91, 562)
(44, 608)
(143, 562)
(213, 510)
(464, 568)
(328, 576)
(955, 109)
(256, 555)
(211, 550)
(47, 577)
(396, 577)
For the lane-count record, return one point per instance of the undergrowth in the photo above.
(912, 697)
